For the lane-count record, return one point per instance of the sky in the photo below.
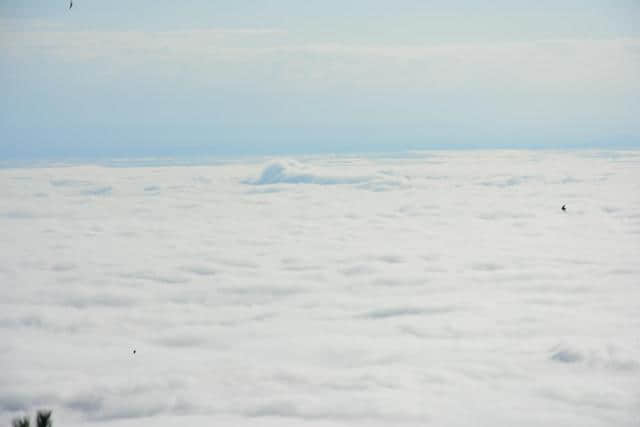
(193, 78)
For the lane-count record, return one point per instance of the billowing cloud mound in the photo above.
(293, 172)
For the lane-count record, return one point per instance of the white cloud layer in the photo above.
(431, 289)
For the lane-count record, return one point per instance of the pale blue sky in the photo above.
(167, 78)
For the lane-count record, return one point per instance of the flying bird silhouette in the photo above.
(134, 351)
(70, 4)
(564, 207)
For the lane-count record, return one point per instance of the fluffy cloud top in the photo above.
(292, 172)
